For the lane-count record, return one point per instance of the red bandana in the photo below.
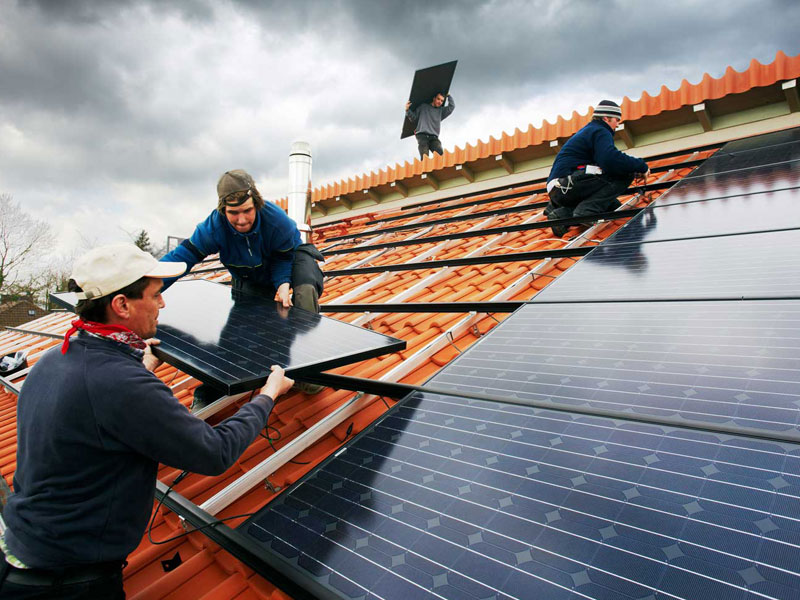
(118, 333)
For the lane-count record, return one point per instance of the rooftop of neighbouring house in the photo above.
(480, 208)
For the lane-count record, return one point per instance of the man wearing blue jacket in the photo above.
(261, 248)
(93, 424)
(589, 172)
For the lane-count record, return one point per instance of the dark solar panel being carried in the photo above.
(464, 499)
(229, 340)
(760, 265)
(733, 215)
(735, 364)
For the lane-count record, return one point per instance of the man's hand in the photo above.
(277, 383)
(283, 296)
(151, 363)
(408, 104)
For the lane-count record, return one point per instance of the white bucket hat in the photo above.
(108, 269)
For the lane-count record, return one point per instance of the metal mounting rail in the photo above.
(401, 390)
(59, 336)
(533, 192)
(473, 260)
(633, 190)
(618, 214)
(424, 307)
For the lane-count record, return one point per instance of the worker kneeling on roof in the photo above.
(261, 248)
(589, 172)
(93, 424)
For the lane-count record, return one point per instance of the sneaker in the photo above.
(204, 395)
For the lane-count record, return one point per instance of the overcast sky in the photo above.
(120, 115)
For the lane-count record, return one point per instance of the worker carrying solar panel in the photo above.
(261, 248)
(427, 119)
(589, 172)
(94, 423)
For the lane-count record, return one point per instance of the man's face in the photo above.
(438, 100)
(241, 217)
(613, 122)
(143, 318)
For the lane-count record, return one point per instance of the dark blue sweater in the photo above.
(263, 256)
(594, 145)
(92, 427)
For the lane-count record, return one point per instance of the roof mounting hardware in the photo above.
(453, 342)
(475, 331)
(271, 486)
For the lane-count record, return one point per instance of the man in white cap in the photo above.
(589, 172)
(93, 425)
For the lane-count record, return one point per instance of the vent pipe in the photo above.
(300, 188)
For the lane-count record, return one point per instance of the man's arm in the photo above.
(448, 108)
(192, 250)
(611, 160)
(412, 115)
(142, 413)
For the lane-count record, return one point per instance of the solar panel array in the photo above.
(452, 498)
(691, 491)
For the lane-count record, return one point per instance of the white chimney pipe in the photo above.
(300, 188)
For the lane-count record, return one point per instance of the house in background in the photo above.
(17, 311)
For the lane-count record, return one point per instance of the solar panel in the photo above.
(734, 183)
(230, 340)
(457, 499)
(735, 364)
(758, 151)
(760, 265)
(427, 82)
(733, 215)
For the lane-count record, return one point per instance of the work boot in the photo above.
(559, 213)
(308, 388)
(205, 395)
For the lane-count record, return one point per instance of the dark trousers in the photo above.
(587, 195)
(427, 142)
(105, 587)
(307, 280)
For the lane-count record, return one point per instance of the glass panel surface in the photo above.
(451, 498)
(735, 364)
(759, 265)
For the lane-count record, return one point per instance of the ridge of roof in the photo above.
(708, 88)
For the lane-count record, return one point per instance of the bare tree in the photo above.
(23, 240)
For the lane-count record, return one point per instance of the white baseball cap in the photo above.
(108, 269)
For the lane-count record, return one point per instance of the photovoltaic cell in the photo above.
(457, 499)
(761, 265)
(735, 364)
(229, 340)
(732, 215)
